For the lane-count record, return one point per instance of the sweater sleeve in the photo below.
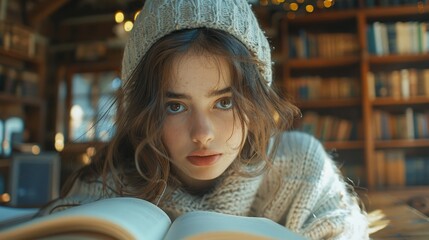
(313, 197)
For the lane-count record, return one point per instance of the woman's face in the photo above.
(200, 132)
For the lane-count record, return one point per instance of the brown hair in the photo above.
(136, 158)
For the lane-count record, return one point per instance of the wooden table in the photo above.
(404, 222)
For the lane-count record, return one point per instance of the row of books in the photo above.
(18, 39)
(388, 3)
(398, 38)
(402, 83)
(395, 168)
(330, 128)
(316, 87)
(18, 82)
(408, 124)
(322, 45)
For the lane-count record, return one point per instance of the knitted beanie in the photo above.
(158, 18)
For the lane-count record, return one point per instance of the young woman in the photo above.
(201, 128)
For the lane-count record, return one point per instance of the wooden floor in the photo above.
(391, 211)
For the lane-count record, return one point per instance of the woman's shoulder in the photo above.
(299, 152)
(295, 142)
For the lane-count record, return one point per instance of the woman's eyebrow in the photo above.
(170, 94)
(220, 92)
(213, 93)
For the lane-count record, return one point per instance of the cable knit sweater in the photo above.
(306, 195)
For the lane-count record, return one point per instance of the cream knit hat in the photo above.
(158, 18)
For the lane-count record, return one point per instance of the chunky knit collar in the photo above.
(232, 194)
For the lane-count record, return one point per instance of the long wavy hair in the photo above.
(136, 158)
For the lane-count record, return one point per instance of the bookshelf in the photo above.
(22, 81)
(337, 50)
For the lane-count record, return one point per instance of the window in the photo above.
(85, 106)
(92, 114)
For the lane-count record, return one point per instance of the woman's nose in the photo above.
(202, 131)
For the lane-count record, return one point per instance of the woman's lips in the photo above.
(204, 160)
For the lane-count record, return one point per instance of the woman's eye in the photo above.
(173, 108)
(224, 103)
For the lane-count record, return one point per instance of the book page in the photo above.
(120, 218)
(211, 225)
(11, 215)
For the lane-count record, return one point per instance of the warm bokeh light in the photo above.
(5, 197)
(119, 17)
(327, 3)
(136, 15)
(309, 8)
(291, 15)
(128, 25)
(90, 151)
(86, 160)
(293, 6)
(263, 2)
(59, 142)
(35, 150)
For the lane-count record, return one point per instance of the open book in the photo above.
(132, 218)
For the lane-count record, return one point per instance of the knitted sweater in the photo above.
(306, 195)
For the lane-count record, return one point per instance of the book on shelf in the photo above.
(396, 168)
(408, 124)
(385, 38)
(330, 127)
(306, 44)
(310, 88)
(399, 84)
(132, 218)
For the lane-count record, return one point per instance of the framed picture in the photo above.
(34, 179)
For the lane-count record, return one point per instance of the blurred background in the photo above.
(359, 71)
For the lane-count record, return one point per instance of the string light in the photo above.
(293, 6)
(128, 25)
(309, 8)
(136, 15)
(327, 3)
(298, 6)
(119, 17)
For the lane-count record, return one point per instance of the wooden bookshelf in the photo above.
(27, 101)
(398, 58)
(16, 56)
(26, 98)
(420, 100)
(344, 145)
(402, 143)
(293, 66)
(328, 103)
(323, 63)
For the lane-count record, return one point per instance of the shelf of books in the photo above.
(361, 78)
(322, 74)
(398, 94)
(22, 74)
